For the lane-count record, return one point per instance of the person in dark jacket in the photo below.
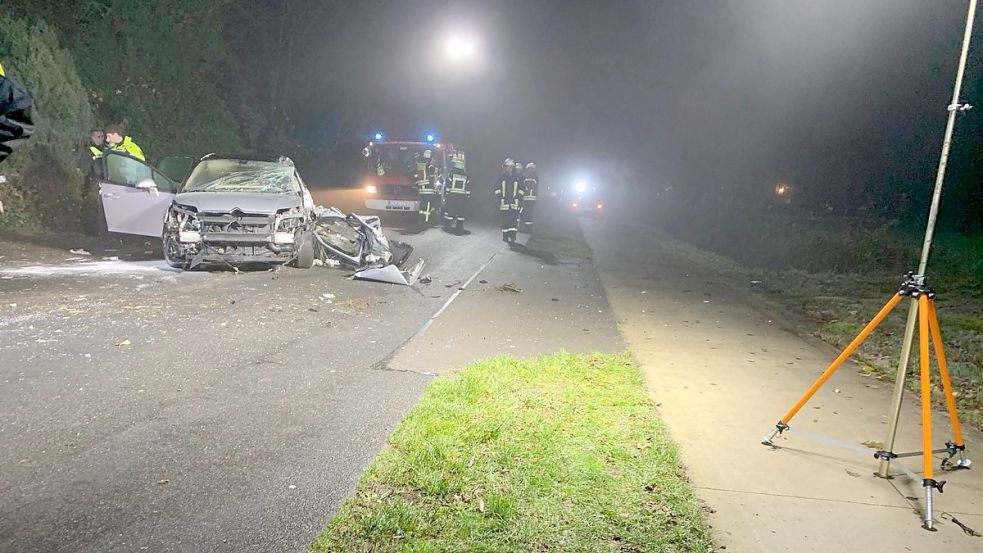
(530, 185)
(509, 192)
(456, 195)
(16, 124)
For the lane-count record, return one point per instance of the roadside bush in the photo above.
(45, 187)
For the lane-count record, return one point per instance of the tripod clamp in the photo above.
(915, 286)
(933, 483)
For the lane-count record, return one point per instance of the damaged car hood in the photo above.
(242, 201)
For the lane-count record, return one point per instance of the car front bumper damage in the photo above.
(192, 239)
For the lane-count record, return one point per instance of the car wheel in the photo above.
(170, 253)
(305, 255)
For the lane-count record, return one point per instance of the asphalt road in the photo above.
(147, 409)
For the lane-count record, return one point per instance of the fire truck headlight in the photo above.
(371, 189)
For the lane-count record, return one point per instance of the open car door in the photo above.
(134, 196)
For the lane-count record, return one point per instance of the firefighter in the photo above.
(509, 193)
(116, 141)
(16, 124)
(530, 188)
(456, 194)
(427, 183)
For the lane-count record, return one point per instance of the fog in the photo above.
(715, 101)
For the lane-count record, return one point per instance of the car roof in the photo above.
(247, 157)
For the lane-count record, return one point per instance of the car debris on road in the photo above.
(359, 243)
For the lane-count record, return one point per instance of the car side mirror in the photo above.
(149, 186)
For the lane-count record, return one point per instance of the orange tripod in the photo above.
(914, 287)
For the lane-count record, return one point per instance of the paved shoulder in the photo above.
(723, 373)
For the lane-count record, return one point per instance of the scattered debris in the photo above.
(482, 281)
(558, 299)
(79, 251)
(163, 482)
(328, 296)
(509, 287)
(873, 445)
(966, 529)
(453, 284)
(426, 279)
(123, 344)
(391, 274)
(111, 258)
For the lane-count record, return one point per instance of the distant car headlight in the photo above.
(575, 205)
(600, 206)
(371, 189)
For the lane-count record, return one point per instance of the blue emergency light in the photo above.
(377, 136)
(431, 137)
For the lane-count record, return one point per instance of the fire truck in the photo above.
(392, 169)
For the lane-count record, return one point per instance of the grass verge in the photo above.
(559, 453)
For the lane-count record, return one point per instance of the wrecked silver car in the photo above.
(238, 210)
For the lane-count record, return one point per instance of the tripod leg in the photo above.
(783, 423)
(926, 388)
(950, 399)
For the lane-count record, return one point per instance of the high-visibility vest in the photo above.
(2, 74)
(95, 151)
(530, 185)
(127, 146)
(503, 192)
(458, 184)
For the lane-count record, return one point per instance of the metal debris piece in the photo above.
(79, 251)
(391, 274)
(509, 287)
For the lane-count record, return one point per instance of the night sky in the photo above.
(843, 99)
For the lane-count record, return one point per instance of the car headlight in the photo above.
(184, 217)
(371, 189)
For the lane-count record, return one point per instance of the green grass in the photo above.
(559, 453)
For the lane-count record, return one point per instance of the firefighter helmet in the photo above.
(509, 162)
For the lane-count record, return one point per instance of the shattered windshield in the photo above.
(233, 175)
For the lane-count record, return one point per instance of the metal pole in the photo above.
(933, 213)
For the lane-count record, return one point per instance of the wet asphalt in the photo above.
(143, 409)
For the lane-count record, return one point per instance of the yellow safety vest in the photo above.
(2, 74)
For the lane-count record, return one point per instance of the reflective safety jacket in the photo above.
(96, 152)
(530, 185)
(128, 147)
(16, 124)
(458, 184)
(509, 191)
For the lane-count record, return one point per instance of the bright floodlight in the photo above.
(581, 186)
(460, 48)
